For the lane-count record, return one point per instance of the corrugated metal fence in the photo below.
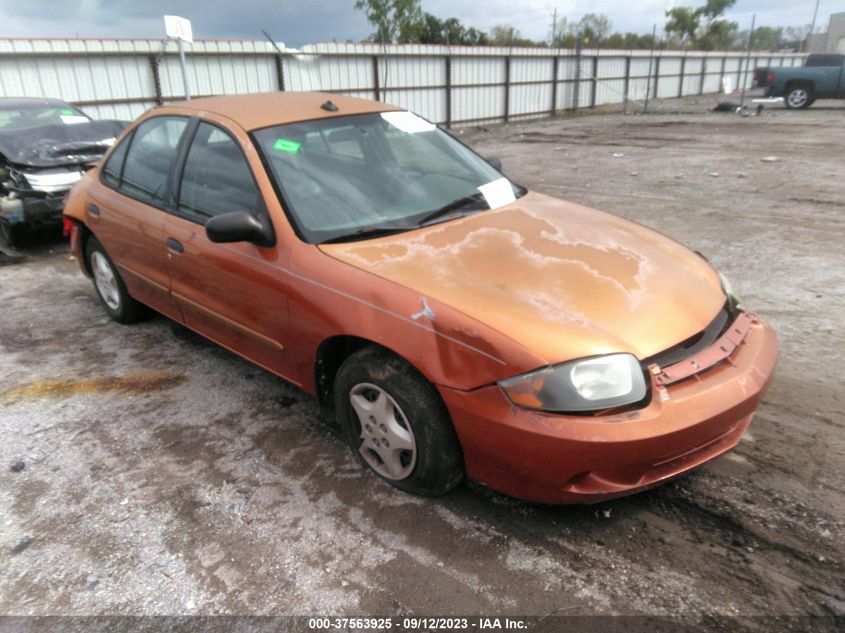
(449, 85)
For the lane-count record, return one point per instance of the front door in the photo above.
(235, 294)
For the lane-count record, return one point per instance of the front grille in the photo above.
(696, 343)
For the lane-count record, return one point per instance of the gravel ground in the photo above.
(163, 475)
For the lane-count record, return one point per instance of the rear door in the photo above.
(235, 294)
(126, 211)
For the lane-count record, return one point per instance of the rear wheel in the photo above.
(396, 424)
(799, 97)
(110, 287)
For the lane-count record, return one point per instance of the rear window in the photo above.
(825, 60)
(25, 116)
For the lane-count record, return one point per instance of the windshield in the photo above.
(353, 176)
(20, 117)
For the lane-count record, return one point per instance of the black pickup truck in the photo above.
(821, 77)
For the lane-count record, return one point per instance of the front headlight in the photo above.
(733, 300)
(590, 384)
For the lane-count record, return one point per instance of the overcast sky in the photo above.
(298, 22)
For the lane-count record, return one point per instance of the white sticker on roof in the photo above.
(498, 193)
(407, 122)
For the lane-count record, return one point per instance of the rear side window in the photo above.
(825, 60)
(114, 165)
(150, 157)
(217, 178)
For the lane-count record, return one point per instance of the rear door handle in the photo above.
(93, 209)
(174, 245)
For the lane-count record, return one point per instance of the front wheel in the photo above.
(798, 98)
(396, 423)
(111, 290)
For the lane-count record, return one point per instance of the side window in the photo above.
(150, 156)
(217, 179)
(114, 165)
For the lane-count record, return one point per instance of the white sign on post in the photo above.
(178, 28)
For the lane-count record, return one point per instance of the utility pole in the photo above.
(747, 63)
(554, 27)
(650, 63)
(812, 29)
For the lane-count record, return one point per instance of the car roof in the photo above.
(17, 102)
(259, 110)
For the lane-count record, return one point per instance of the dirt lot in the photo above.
(163, 475)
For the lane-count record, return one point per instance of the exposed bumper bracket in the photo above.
(723, 348)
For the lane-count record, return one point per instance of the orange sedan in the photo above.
(453, 323)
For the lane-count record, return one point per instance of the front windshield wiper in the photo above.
(388, 229)
(452, 206)
(369, 232)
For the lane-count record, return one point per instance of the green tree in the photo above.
(502, 35)
(594, 27)
(713, 9)
(683, 22)
(766, 38)
(795, 36)
(701, 27)
(719, 36)
(392, 19)
(430, 29)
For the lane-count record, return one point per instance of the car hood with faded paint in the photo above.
(562, 280)
(59, 145)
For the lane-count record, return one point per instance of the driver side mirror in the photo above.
(238, 226)
(495, 162)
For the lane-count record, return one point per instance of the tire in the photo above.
(798, 97)
(396, 424)
(110, 287)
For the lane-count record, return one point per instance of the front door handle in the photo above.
(174, 245)
(93, 209)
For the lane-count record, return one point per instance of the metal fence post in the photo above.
(507, 87)
(376, 85)
(594, 87)
(448, 90)
(722, 73)
(280, 72)
(703, 75)
(627, 84)
(656, 75)
(156, 79)
(553, 107)
(681, 80)
(576, 93)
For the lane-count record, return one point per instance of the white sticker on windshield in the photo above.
(72, 119)
(407, 122)
(498, 193)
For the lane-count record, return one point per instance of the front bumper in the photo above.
(33, 211)
(554, 458)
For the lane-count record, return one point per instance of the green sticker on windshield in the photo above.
(67, 112)
(284, 145)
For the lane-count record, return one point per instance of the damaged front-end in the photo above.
(38, 166)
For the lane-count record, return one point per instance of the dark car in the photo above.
(45, 144)
(821, 77)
